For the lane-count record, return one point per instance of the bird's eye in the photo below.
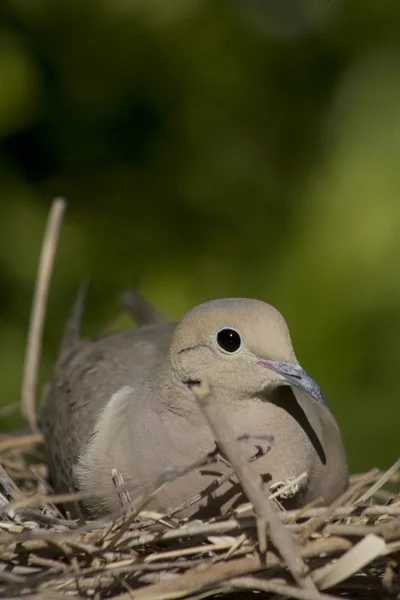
(229, 339)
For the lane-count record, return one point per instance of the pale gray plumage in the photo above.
(124, 402)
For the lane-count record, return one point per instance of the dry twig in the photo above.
(252, 486)
(35, 332)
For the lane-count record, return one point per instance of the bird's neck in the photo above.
(177, 397)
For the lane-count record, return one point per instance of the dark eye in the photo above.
(229, 339)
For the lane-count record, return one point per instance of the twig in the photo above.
(356, 558)
(203, 549)
(255, 583)
(193, 530)
(23, 440)
(35, 332)
(317, 522)
(252, 486)
(344, 511)
(387, 531)
(381, 481)
(245, 508)
(40, 500)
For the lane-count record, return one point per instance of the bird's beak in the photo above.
(295, 376)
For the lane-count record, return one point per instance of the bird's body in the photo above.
(124, 402)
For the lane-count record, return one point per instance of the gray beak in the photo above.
(296, 377)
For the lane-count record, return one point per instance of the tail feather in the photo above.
(72, 331)
(140, 309)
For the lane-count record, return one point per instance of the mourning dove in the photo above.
(125, 402)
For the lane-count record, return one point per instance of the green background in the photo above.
(211, 149)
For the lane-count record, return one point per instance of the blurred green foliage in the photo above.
(212, 149)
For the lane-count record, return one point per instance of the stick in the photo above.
(319, 521)
(267, 519)
(35, 332)
(381, 481)
(23, 440)
(256, 583)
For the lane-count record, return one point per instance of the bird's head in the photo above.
(240, 346)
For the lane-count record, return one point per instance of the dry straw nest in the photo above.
(350, 548)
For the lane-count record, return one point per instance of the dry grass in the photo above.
(351, 548)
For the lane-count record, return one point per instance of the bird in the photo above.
(124, 403)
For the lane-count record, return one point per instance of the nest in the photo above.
(350, 548)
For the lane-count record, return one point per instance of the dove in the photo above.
(124, 404)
